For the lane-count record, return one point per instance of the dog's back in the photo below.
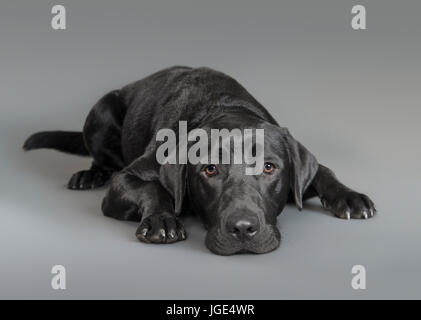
(164, 98)
(123, 124)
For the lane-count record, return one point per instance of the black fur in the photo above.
(64, 141)
(239, 211)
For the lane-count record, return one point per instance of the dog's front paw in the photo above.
(349, 205)
(161, 228)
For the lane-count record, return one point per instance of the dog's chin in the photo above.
(219, 243)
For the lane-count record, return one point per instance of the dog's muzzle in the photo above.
(243, 232)
(243, 227)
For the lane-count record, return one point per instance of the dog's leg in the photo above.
(102, 136)
(130, 198)
(338, 198)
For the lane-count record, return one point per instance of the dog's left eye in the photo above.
(210, 170)
(268, 168)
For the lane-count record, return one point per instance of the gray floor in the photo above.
(352, 97)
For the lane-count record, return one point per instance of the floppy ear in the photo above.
(171, 176)
(304, 167)
(146, 168)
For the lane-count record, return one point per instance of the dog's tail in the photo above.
(64, 141)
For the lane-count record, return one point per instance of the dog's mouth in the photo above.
(222, 243)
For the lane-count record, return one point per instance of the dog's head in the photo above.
(240, 210)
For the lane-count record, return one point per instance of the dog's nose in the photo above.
(244, 228)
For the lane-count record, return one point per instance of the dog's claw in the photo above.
(141, 235)
(160, 228)
(347, 215)
(162, 233)
(88, 179)
(349, 205)
(172, 234)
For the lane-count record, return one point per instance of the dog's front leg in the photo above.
(130, 198)
(339, 199)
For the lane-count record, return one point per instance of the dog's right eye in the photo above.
(210, 170)
(268, 168)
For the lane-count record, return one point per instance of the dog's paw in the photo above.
(349, 205)
(161, 228)
(88, 179)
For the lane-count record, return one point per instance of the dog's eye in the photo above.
(268, 168)
(210, 170)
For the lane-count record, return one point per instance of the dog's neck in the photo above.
(233, 118)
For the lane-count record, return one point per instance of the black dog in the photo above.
(239, 211)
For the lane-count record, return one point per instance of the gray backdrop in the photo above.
(352, 97)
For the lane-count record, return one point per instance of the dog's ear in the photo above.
(173, 178)
(304, 167)
(146, 168)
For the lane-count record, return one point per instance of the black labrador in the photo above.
(239, 211)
